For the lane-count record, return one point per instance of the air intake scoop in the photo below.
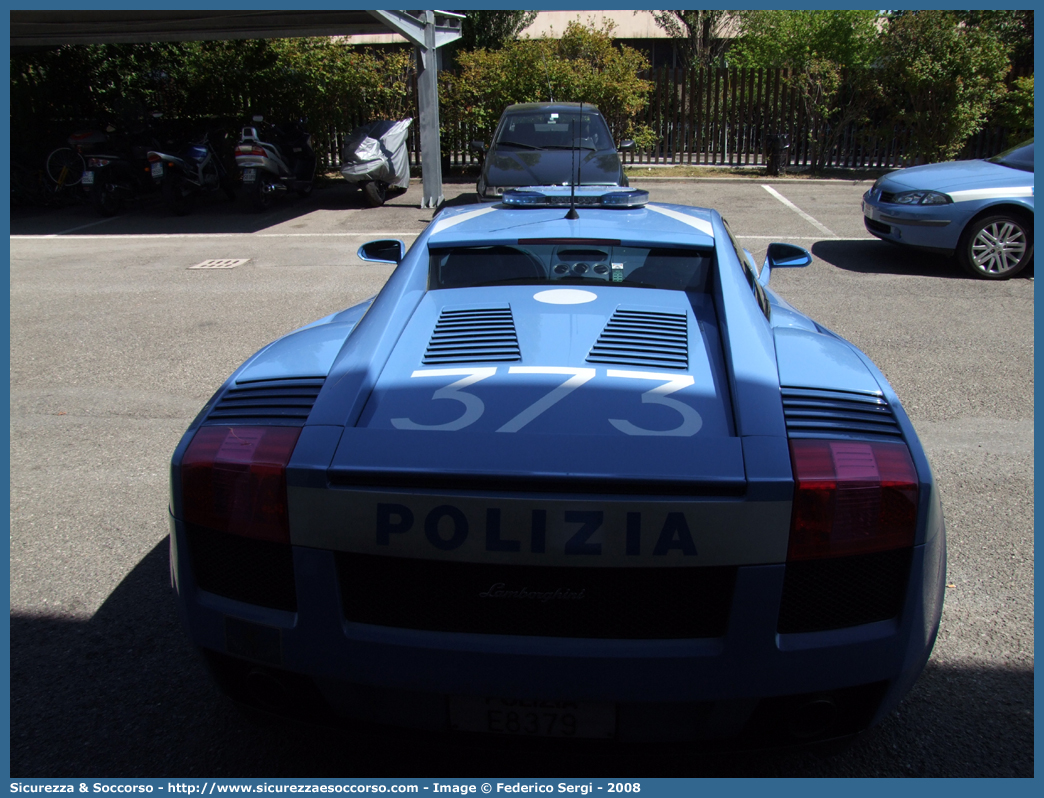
(644, 338)
(473, 335)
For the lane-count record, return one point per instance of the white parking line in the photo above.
(799, 212)
(85, 226)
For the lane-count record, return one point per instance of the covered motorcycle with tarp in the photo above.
(375, 157)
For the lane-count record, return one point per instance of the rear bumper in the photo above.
(743, 687)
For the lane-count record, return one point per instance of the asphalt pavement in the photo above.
(116, 343)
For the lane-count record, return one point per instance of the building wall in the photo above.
(637, 29)
(629, 24)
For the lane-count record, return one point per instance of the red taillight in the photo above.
(247, 149)
(233, 479)
(851, 497)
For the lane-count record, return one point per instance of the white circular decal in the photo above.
(565, 296)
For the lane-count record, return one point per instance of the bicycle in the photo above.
(65, 167)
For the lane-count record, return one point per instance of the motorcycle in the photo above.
(117, 166)
(183, 177)
(375, 157)
(274, 159)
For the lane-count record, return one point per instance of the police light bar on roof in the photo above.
(585, 197)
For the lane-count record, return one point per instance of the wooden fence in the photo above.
(722, 117)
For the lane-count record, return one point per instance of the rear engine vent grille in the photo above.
(644, 338)
(267, 402)
(255, 571)
(812, 413)
(846, 591)
(473, 336)
(587, 602)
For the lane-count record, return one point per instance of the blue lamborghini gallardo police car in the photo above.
(576, 472)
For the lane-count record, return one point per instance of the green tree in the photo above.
(941, 78)
(795, 39)
(827, 54)
(1013, 27)
(491, 30)
(212, 84)
(583, 65)
(77, 83)
(698, 32)
(1016, 108)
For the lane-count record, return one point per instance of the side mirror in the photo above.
(478, 146)
(387, 250)
(783, 256)
(258, 118)
(627, 145)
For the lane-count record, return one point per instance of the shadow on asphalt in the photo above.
(124, 695)
(213, 213)
(881, 257)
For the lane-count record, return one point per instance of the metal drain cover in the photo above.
(220, 263)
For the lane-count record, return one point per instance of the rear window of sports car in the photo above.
(562, 262)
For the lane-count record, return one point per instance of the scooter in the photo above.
(183, 177)
(117, 166)
(274, 159)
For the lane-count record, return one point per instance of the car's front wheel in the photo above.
(996, 247)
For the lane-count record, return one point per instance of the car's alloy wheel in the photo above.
(996, 247)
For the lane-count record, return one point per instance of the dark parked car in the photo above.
(550, 144)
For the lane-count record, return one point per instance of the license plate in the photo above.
(869, 211)
(526, 718)
(88, 178)
(249, 175)
(157, 169)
